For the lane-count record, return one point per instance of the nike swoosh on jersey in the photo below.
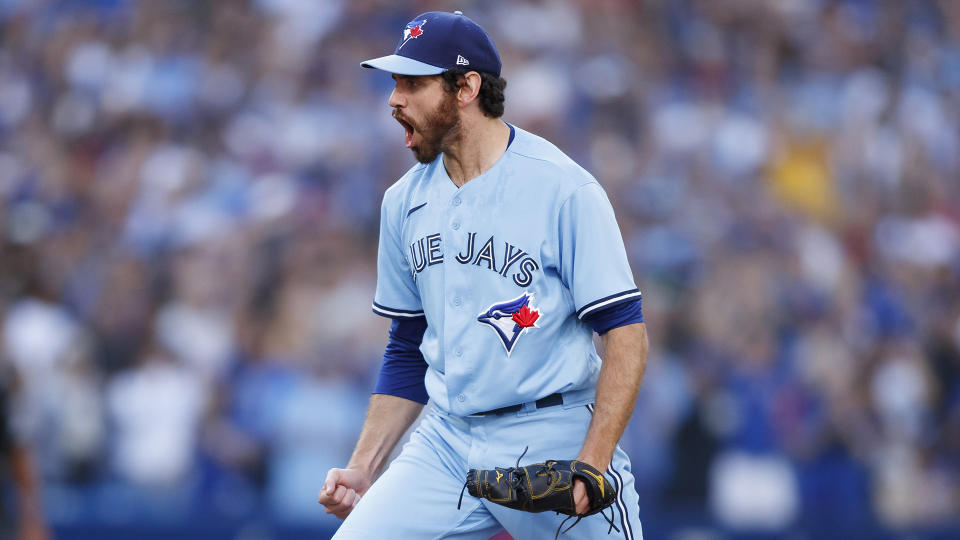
(415, 208)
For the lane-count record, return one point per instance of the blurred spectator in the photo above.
(22, 517)
(156, 407)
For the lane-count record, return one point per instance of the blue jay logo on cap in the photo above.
(511, 319)
(413, 30)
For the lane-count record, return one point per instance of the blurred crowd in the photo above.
(189, 196)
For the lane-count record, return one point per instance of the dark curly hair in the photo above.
(491, 89)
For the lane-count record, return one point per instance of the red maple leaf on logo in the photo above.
(415, 31)
(526, 317)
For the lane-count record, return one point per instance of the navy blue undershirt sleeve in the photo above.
(403, 366)
(615, 316)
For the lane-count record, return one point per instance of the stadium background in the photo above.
(189, 197)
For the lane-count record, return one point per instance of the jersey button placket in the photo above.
(455, 222)
(452, 283)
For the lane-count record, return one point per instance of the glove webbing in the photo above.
(517, 466)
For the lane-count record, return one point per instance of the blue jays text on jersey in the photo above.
(428, 251)
(503, 268)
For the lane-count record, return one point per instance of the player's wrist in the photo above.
(365, 473)
(598, 461)
(365, 470)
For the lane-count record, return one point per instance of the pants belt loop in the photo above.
(585, 395)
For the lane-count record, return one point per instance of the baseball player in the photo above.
(499, 257)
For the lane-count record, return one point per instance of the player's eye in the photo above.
(404, 83)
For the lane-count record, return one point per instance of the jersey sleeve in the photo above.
(607, 318)
(397, 296)
(593, 261)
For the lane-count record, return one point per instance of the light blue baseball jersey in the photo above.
(504, 268)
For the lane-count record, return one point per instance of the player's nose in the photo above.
(396, 99)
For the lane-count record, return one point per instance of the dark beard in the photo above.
(440, 129)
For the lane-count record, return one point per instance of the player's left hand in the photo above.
(580, 496)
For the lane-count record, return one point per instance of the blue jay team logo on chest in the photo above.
(511, 319)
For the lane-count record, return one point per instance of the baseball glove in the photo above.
(542, 487)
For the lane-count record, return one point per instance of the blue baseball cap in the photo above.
(436, 41)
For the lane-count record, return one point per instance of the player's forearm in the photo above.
(388, 418)
(624, 361)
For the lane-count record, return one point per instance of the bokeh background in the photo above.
(189, 196)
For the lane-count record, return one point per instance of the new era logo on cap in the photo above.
(425, 45)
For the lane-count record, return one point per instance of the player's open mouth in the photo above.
(408, 128)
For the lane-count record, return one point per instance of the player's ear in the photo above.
(470, 88)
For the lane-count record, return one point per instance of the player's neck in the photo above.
(483, 140)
